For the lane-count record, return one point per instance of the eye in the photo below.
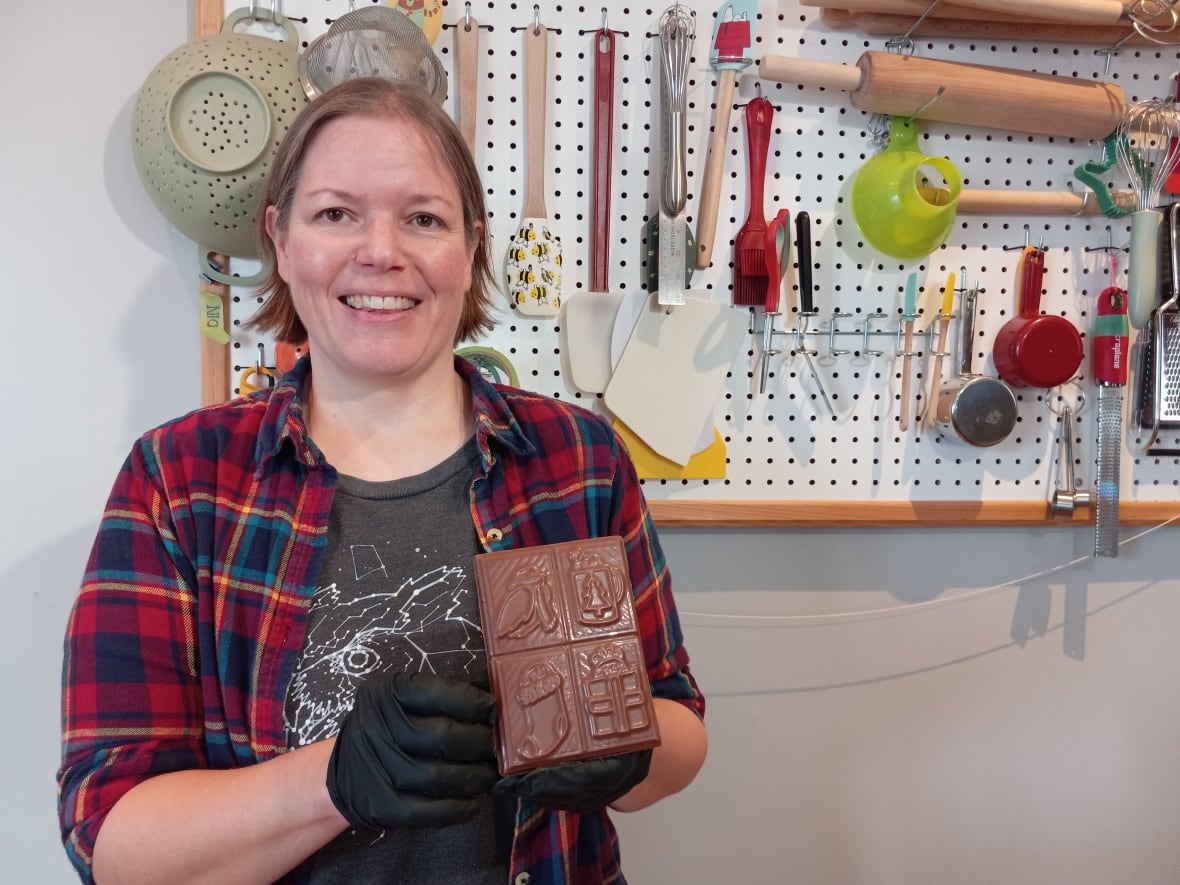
(426, 220)
(334, 214)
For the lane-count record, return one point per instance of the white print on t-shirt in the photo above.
(419, 626)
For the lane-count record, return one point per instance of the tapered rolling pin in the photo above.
(883, 25)
(1088, 12)
(1075, 12)
(974, 95)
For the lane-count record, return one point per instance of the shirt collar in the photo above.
(284, 420)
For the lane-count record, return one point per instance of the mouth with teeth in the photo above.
(378, 302)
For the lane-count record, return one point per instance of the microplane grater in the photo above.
(1110, 445)
(1110, 340)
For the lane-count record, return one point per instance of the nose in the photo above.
(380, 243)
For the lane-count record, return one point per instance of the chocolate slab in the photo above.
(564, 655)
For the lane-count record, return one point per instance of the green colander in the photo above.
(204, 131)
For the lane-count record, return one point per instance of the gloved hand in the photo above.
(415, 751)
(584, 786)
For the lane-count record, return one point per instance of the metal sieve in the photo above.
(374, 41)
(204, 131)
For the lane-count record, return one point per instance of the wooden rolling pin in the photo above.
(974, 95)
(1070, 12)
(883, 25)
(915, 9)
(982, 201)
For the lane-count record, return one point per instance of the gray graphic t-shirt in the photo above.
(397, 593)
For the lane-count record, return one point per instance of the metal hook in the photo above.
(904, 41)
(605, 24)
(467, 16)
(937, 95)
(536, 19)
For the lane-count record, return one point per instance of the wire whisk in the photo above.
(1148, 148)
(677, 33)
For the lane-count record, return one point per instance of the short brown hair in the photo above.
(371, 97)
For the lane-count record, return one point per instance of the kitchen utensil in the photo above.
(807, 308)
(672, 370)
(534, 256)
(1089, 12)
(976, 409)
(1159, 365)
(1109, 368)
(1148, 150)
(492, 364)
(590, 317)
(896, 210)
(1068, 497)
(954, 22)
(676, 39)
(733, 36)
(776, 253)
(425, 14)
(907, 350)
(945, 314)
(373, 41)
(749, 253)
(984, 201)
(465, 45)
(205, 127)
(974, 95)
(1034, 349)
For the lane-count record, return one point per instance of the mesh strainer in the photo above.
(374, 41)
(205, 127)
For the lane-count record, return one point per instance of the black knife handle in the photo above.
(803, 250)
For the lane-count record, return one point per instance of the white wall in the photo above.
(1000, 736)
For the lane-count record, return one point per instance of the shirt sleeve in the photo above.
(655, 607)
(131, 699)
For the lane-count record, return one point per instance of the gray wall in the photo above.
(886, 707)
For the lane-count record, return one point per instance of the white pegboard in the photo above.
(783, 445)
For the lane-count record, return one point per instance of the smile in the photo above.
(379, 302)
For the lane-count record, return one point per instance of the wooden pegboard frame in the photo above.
(788, 463)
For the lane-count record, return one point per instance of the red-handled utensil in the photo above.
(1034, 349)
(1108, 358)
(777, 256)
(750, 262)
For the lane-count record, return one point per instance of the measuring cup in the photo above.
(976, 409)
(1035, 349)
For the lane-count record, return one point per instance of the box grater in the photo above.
(1158, 407)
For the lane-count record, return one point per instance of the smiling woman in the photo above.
(278, 621)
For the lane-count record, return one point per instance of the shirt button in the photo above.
(495, 536)
(522, 879)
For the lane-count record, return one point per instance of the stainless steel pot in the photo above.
(205, 128)
(976, 409)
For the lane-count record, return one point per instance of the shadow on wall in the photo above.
(39, 590)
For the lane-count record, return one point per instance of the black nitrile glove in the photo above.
(416, 751)
(584, 786)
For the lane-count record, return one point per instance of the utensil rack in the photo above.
(788, 463)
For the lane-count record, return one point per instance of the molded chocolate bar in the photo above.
(564, 654)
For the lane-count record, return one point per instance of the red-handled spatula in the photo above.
(590, 317)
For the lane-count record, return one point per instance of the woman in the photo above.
(274, 669)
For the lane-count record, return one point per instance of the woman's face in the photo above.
(375, 253)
